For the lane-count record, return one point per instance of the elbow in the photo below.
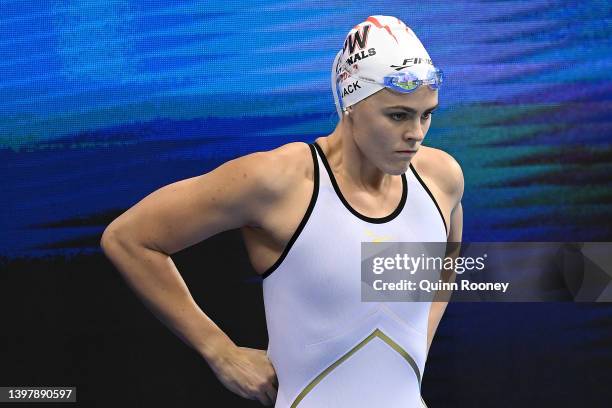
(112, 239)
(119, 240)
(108, 240)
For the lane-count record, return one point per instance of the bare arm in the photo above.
(441, 299)
(454, 187)
(139, 243)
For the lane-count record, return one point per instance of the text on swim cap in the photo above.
(359, 56)
(351, 88)
(359, 37)
(408, 62)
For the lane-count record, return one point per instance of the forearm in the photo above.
(154, 277)
(435, 315)
(441, 297)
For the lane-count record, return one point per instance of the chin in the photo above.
(397, 170)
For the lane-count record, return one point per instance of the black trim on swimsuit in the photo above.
(430, 195)
(372, 220)
(296, 233)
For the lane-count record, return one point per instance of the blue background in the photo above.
(103, 101)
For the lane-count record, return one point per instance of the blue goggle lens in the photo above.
(406, 82)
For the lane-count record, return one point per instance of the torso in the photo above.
(328, 346)
(266, 243)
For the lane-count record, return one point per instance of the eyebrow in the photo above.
(409, 109)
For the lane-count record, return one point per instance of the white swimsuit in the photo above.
(330, 349)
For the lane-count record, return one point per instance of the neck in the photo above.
(349, 163)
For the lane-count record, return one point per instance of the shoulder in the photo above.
(276, 171)
(440, 167)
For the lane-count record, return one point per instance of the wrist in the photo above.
(216, 348)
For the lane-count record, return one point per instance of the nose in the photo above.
(414, 132)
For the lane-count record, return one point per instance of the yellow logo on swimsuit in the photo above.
(377, 334)
(378, 238)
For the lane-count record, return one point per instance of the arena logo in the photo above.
(359, 56)
(359, 37)
(408, 62)
(351, 88)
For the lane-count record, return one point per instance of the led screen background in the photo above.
(104, 101)
(101, 102)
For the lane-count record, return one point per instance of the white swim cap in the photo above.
(374, 49)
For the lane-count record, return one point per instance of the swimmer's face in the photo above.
(388, 125)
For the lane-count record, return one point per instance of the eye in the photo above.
(397, 116)
(427, 115)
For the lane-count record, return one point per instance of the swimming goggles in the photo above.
(406, 82)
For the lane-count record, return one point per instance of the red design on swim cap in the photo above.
(374, 21)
